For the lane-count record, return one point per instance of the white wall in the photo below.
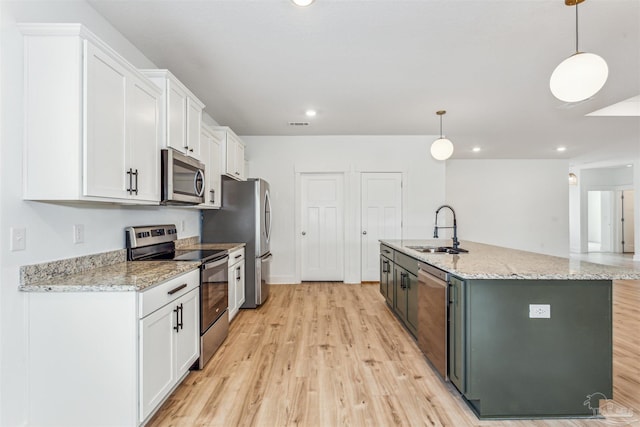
(278, 158)
(48, 226)
(521, 204)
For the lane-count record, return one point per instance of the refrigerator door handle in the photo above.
(266, 256)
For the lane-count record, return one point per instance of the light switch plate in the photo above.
(539, 311)
(18, 239)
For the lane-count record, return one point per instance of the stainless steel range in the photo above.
(157, 242)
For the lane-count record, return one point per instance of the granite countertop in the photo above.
(118, 277)
(495, 262)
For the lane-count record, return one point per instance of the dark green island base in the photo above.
(507, 364)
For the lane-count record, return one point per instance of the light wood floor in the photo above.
(330, 354)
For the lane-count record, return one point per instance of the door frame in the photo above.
(299, 173)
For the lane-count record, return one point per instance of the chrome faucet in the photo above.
(456, 243)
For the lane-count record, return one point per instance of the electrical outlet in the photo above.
(539, 311)
(78, 233)
(18, 240)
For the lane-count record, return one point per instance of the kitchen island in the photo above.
(524, 335)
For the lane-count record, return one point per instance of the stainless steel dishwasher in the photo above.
(432, 316)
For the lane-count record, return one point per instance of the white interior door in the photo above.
(381, 217)
(628, 226)
(322, 231)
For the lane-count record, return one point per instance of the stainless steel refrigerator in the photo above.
(245, 217)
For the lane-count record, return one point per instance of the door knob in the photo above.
(364, 232)
(304, 233)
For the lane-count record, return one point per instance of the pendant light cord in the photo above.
(577, 51)
(440, 126)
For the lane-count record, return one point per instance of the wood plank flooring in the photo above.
(330, 354)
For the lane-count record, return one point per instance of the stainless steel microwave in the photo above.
(182, 179)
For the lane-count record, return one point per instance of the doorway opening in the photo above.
(610, 221)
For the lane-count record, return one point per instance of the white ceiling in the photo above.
(385, 67)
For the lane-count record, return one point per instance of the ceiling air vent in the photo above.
(299, 123)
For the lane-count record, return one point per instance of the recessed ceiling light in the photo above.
(629, 166)
(561, 149)
(310, 113)
(302, 2)
(476, 149)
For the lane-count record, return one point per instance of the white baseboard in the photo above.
(636, 257)
(282, 280)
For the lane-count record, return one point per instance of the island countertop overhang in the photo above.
(485, 261)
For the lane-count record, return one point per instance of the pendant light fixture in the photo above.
(302, 3)
(580, 76)
(442, 148)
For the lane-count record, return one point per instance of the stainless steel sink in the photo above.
(438, 249)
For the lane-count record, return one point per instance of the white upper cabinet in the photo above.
(233, 153)
(211, 149)
(181, 115)
(91, 120)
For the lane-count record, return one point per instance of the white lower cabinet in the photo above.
(109, 358)
(236, 281)
(168, 347)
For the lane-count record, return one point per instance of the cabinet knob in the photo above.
(364, 232)
(304, 233)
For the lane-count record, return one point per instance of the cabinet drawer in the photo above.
(406, 262)
(168, 291)
(386, 251)
(236, 256)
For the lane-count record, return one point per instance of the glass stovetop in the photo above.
(190, 255)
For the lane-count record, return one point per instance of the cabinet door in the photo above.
(239, 278)
(210, 147)
(194, 124)
(157, 358)
(456, 334)
(412, 302)
(231, 156)
(142, 139)
(188, 333)
(176, 116)
(215, 178)
(400, 277)
(105, 173)
(233, 308)
(240, 173)
(386, 280)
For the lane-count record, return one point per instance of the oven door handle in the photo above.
(217, 263)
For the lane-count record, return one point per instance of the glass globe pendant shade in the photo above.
(302, 3)
(441, 149)
(579, 77)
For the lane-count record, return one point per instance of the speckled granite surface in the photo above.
(44, 271)
(119, 277)
(109, 271)
(494, 262)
